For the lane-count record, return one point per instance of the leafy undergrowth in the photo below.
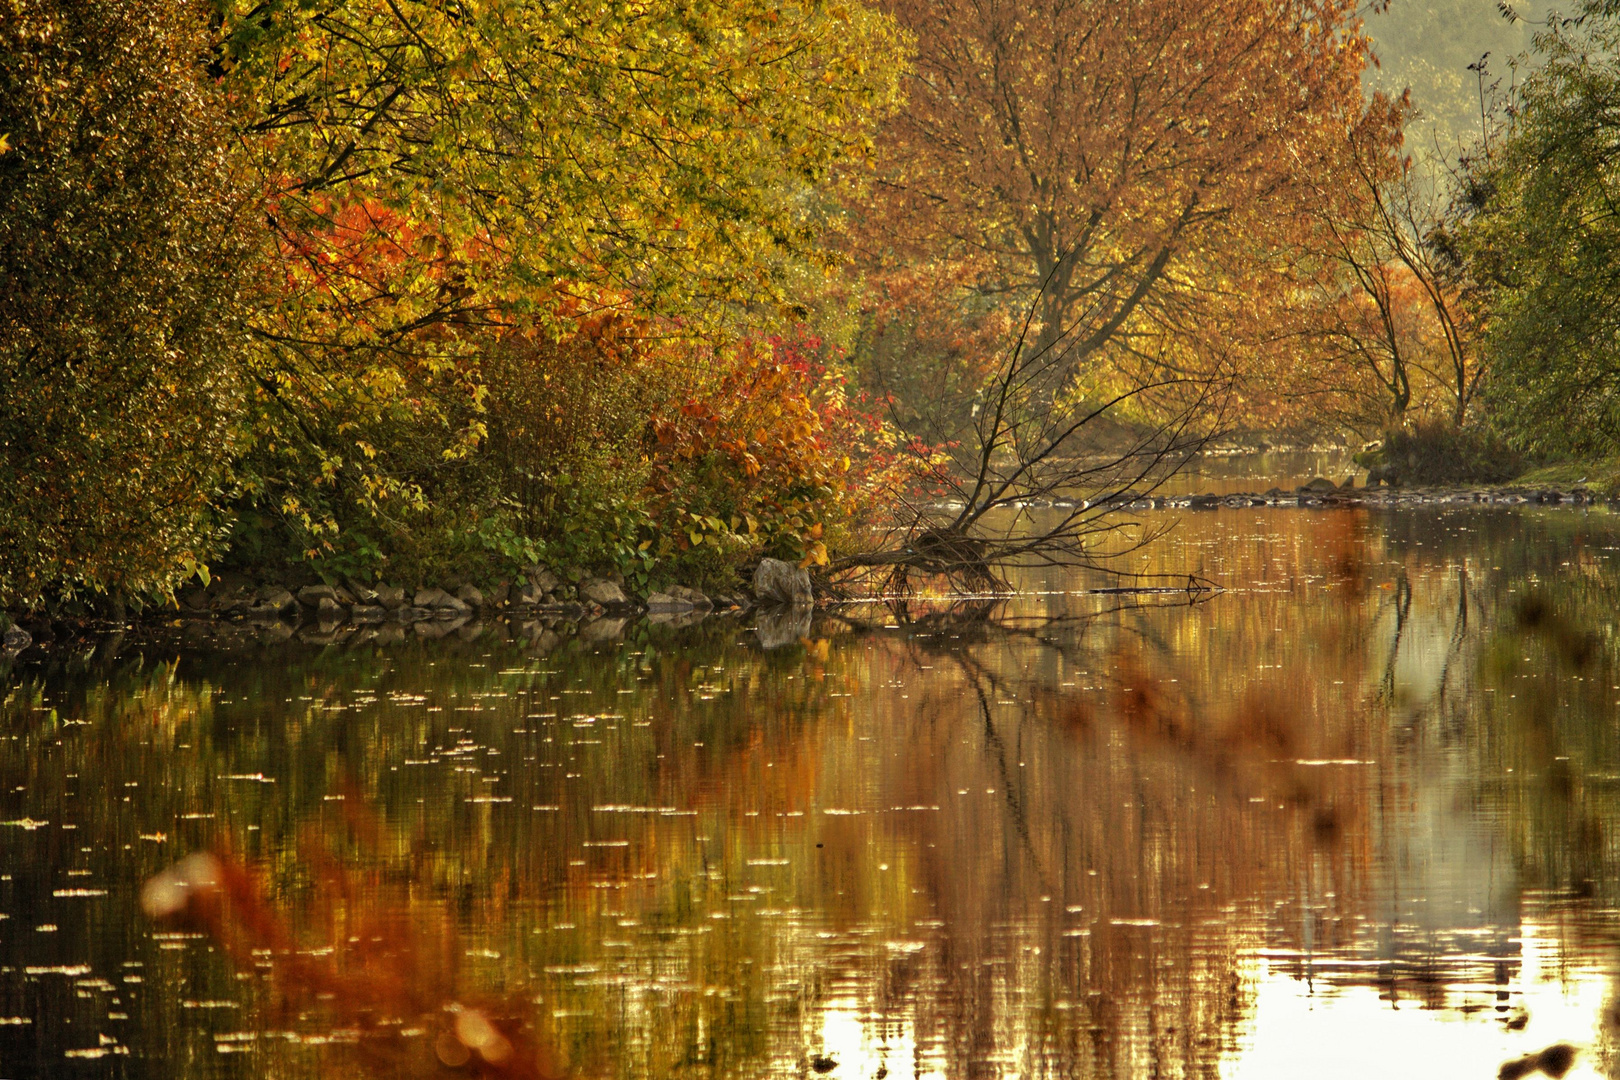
(1598, 475)
(1433, 454)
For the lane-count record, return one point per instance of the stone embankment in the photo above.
(234, 608)
(1325, 493)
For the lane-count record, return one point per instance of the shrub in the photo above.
(1434, 453)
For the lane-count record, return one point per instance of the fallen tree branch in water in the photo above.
(1049, 472)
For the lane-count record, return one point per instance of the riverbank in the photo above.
(236, 609)
(1322, 492)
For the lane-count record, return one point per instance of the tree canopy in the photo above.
(123, 245)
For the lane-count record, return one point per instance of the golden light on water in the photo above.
(1351, 817)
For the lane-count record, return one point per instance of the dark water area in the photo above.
(1354, 816)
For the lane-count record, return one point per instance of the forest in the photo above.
(372, 291)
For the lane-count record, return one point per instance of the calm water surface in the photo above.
(1355, 816)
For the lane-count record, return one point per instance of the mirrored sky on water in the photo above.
(1353, 816)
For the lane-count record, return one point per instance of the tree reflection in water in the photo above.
(1058, 836)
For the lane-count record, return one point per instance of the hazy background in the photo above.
(1427, 45)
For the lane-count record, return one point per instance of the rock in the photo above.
(276, 597)
(667, 603)
(363, 593)
(604, 629)
(231, 601)
(312, 595)
(15, 639)
(541, 578)
(328, 610)
(679, 619)
(602, 591)
(390, 596)
(367, 613)
(1204, 502)
(1383, 474)
(778, 582)
(434, 629)
(529, 594)
(195, 598)
(1319, 486)
(437, 600)
(500, 595)
(694, 597)
(779, 626)
(230, 592)
(470, 595)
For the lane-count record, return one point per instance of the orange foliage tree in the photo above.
(1394, 333)
(774, 449)
(1135, 171)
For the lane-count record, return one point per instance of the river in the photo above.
(1354, 815)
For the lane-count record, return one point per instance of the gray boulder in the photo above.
(603, 629)
(541, 578)
(470, 595)
(230, 592)
(440, 602)
(362, 593)
(667, 603)
(364, 614)
(14, 638)
(390, 596)
(778, 626)
(277, 597)
(312, 595)
(604, 592)
(778, 582)
(694, 597)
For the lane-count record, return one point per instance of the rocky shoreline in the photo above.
(1325, 493)
(234, 607)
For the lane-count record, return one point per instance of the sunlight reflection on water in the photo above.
(1353, 816)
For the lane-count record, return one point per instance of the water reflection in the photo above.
(1353, 815)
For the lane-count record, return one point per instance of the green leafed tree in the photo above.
(121, 250)
(1540, 234)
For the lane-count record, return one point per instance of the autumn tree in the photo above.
(1127, 167)
(438, 175)
(1394, 332)
(1127, 181)
(123, 254)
